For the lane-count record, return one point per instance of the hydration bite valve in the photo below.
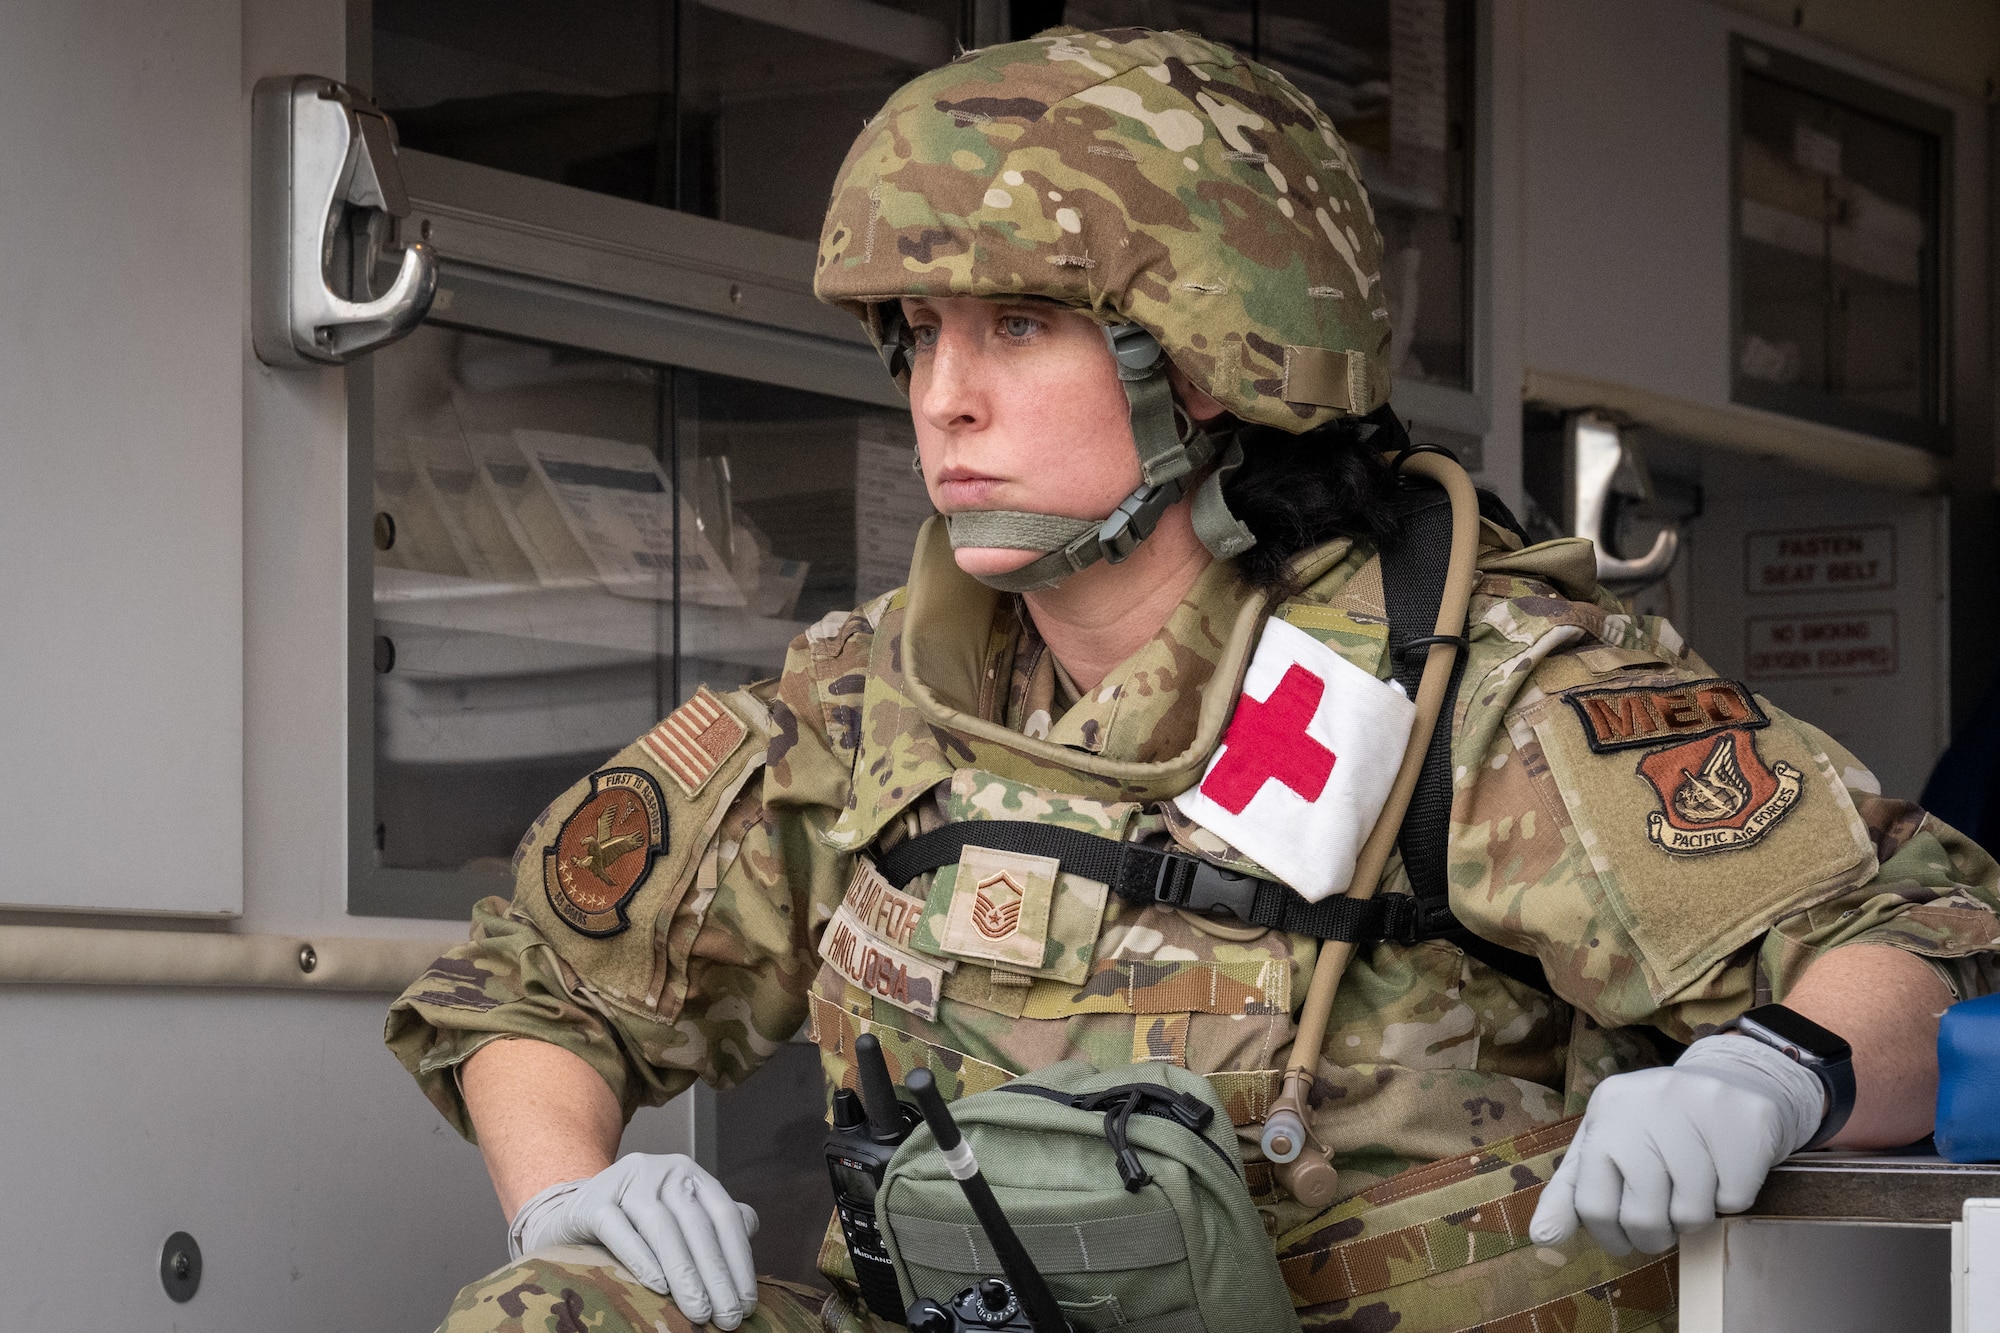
(1305, 1170)
(1284, 1136)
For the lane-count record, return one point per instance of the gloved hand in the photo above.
(668, 1221)
(1662, 1151)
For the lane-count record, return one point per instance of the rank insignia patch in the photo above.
(604, 849)
(999, 907)
(1716, 794)
(1641, 715)
(694, 740)
(996, 906)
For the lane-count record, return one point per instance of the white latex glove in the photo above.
(1662, 1151)
(668, 1221)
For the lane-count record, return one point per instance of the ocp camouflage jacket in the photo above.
(1672, 849)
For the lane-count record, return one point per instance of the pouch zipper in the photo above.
(1121, 1103)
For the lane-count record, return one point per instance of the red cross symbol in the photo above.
(1268, 739)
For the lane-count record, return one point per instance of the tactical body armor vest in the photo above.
(981, 961)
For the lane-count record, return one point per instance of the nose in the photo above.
(949, 386)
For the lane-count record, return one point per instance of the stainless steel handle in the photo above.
(1598, 453)
(325, 167)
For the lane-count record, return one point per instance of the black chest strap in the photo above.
(1166, 877)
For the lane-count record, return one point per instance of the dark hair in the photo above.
(1296, 492)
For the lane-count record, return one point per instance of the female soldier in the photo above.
(1199, 675)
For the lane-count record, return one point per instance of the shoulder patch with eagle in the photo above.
(604, 849)
(1717, 794)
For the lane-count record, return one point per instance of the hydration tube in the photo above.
(1305, 1167)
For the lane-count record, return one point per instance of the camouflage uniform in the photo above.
(939, 702)
(1671, 849)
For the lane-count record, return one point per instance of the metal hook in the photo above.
(325, 162)
(1602, 464)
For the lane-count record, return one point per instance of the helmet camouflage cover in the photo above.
(1145, 177)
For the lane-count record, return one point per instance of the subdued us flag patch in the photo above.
(1307, 762)
(694, 740)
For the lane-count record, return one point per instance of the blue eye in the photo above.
(1020, 326)
(923, 335)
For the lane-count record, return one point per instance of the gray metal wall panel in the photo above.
(326, 1194)
(121, 470)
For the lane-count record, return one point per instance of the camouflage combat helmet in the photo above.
(1186, 198)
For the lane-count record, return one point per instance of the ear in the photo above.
(1195, 401)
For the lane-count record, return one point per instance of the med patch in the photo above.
(1632, 716)
(603, 851)
(1660, 776)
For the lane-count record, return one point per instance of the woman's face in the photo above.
(1018, 406)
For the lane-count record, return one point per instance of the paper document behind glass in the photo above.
(421, 540)
(617, 503)
(478, 532)
(529, 512)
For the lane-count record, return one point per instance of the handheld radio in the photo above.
(866, 1131)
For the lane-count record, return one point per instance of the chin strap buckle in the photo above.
(1134, 520)
(1137, 352)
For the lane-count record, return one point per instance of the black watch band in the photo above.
(1800, 1039)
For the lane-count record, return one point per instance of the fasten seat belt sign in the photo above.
(1306, 765)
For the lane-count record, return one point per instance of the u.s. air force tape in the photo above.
(879, 967)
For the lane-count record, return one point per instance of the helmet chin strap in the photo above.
(1169, 455)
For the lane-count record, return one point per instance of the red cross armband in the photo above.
(1306, 765)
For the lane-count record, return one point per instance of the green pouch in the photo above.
(1184, 1252)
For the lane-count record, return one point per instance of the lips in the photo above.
(963, 488)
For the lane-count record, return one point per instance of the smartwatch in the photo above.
(1798, 1038)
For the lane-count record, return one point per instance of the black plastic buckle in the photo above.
(1399, 919)
(1433, 918)
(1195, 885)
(1134, 520)
(1407, 919)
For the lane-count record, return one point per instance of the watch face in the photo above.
(1796, 1030)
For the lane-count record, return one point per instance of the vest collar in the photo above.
(927, 684)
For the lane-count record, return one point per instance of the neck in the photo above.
(1098, 617)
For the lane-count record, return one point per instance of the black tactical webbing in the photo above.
(1169, 878)
(1413, 578)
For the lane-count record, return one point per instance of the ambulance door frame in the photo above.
(529, 259)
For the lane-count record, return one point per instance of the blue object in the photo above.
(1968, 1102)
(1964, 788)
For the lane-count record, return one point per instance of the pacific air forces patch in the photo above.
(1716, 793)
(601, 854)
